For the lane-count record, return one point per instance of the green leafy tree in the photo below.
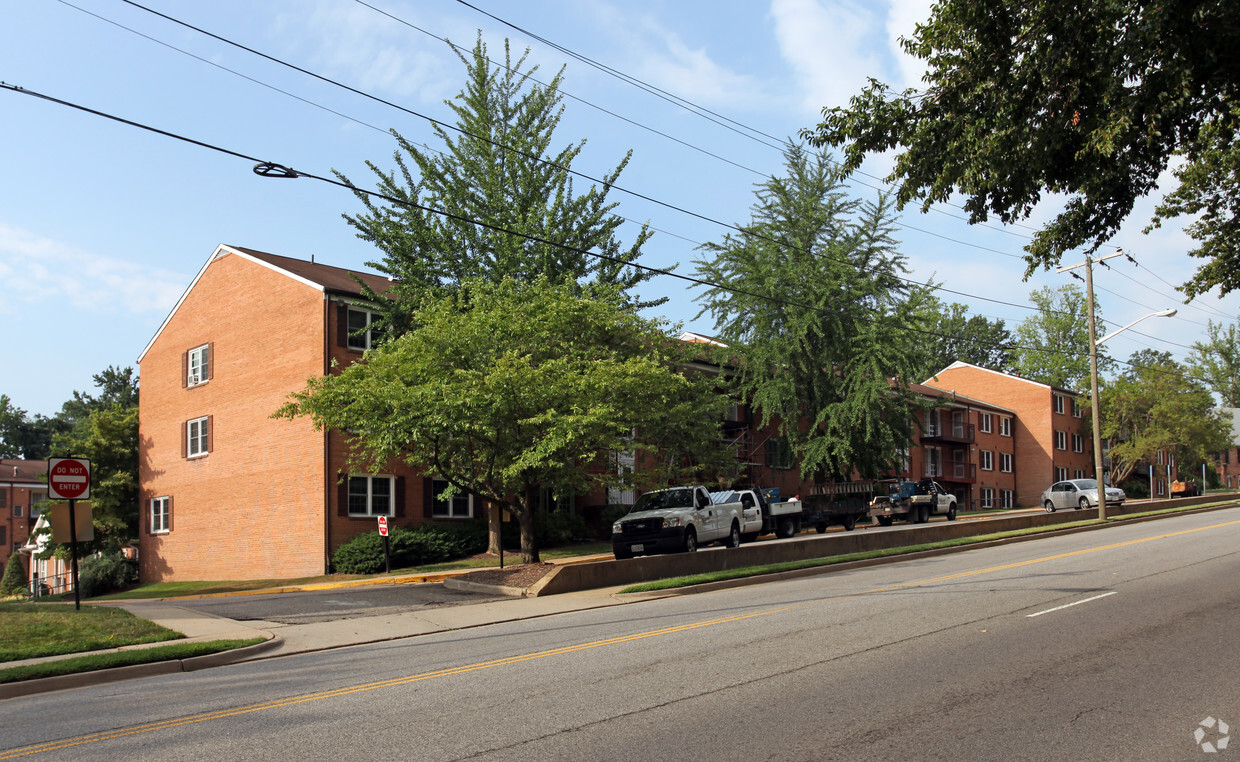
(812, 297)
(952, 335)
(14, 579)
(1052, 344)
(512, 210)
(109, 438)
(1217, 361)
(1154, 406)
(1088, 100)
(506, 389)
(24, 436)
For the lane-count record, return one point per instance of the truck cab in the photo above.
(675, 519)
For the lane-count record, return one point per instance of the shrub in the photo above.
(14, 580)
(106, 573)
(425, 544)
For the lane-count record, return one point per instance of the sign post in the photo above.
(69, 479)
(387, 550)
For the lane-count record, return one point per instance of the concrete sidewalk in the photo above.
(286, 639)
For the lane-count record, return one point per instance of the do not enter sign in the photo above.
(383, 526)
(68, 478)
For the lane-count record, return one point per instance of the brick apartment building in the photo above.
(227, 491)
(1228, 465)
(1050, 439)
(22, 485)
(967, 446)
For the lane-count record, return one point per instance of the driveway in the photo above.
(330, 605)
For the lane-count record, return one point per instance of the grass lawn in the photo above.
(30, 630)
(111, 659)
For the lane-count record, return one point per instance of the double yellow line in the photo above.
(293, 701)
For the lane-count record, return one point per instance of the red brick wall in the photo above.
(1033, 428)
(253, 507)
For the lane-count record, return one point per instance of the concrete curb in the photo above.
(466, 586)
(133, 671)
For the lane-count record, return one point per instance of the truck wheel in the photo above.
(690, 540)
(925, 514)
(734, 537)
(786, 528)
(886, 521)
(951, 513)
(850, 522)
(1050, 507)
(621, 552)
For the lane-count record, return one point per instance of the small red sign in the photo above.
(68, 478)
(383, 526)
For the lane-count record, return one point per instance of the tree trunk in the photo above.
(495, 515)
(525, 517)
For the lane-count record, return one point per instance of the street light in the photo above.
(1093, 368)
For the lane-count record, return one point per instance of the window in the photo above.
(906, 461)
(1078, 474)
(932, 423)
(198, 437)
(370, 495)
(1061, 440)
(1061, 473)
(934, 462)
(1077, 410)
(987, 460)
(363, 329)
(1005, 426)
(17, 511)
(1005, 462)
(1160, 457)
(1059, 403)
(988, 497)
(984, 422)
(198, 365)
(1160, 488)
(459, 506)
(1078, 443)
(778, 453)
(161, 515)
(1007, 498)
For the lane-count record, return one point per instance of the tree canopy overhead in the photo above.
(498, 171)
(1091, 100)
(812, 295)
(507, 389)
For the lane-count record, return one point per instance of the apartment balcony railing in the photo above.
(962, 433)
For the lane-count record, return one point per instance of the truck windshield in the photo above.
(672, 498)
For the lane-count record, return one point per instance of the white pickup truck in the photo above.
(683, 518)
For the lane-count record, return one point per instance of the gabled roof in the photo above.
(332, 281)
(22, 472)
(935, 392)
(960, 364)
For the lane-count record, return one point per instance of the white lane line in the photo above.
(1070, 605)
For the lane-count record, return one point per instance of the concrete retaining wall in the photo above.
(590, 576)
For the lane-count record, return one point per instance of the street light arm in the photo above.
(1160, 313)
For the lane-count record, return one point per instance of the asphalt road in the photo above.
(328, 605)
(1112, 644)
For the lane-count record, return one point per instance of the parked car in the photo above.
(1078, 493)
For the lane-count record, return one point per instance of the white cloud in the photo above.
(46, 273)
(829, 46)
(376, 54)
(902, 20)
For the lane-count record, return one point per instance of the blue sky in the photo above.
(102, 226)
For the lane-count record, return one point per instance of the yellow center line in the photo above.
(450, 671)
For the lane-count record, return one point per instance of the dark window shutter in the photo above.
(170, 513)
(399, 508)
(342, 325)
(185, 439)
(342, 496)
(428, 498)
(185, 369)
(210, 361)
(210, 436)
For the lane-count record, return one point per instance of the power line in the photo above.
(273, 169)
